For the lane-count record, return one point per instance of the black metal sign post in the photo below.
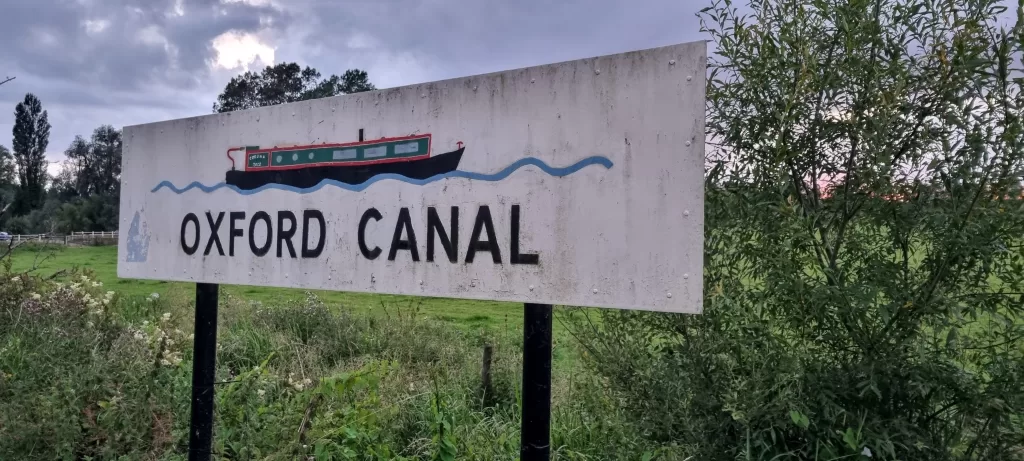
(535, 428)
(204, 360)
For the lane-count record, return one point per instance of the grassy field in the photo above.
(90, 371)
(102, 261)
(469, 315)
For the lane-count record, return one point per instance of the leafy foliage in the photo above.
(85, 195)
(863, 268)
(284, 83)
(95, 164)
(91, 374)
(31, 137)
(8, 170)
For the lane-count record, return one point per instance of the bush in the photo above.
(88, 374)
(863, 268)
(75, 381)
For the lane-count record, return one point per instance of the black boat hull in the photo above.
(350, 174)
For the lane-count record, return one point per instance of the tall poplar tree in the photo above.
(31, 137)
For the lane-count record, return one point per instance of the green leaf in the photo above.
(951, 338)
(799, 419)
(851, 439)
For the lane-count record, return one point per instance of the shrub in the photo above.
(88, 374)
(75, 381)
(863, 268)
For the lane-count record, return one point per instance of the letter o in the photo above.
(190, 249)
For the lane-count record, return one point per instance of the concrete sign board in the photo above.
(578, 183)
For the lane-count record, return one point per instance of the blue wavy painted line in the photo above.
(504, 173)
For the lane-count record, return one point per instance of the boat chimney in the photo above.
(360, 135)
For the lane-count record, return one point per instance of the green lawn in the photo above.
(102, 261)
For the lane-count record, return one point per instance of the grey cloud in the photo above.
(52, 40)
(78, 72)
(115, 76)
(491, 35)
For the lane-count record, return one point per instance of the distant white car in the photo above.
(5, 236)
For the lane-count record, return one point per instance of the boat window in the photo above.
(375, 152)
(346, 154)
(407, 147)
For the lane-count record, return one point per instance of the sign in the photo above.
(578, 183)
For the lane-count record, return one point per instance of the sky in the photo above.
(126, 62)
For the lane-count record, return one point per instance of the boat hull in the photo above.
(349, 174)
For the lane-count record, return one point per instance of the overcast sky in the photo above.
(124, 62)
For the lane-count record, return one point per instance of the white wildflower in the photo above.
(89, 324)
(154, 296)
(97, 284)
(97, 312)
(74, 286)
(165, 317)
(261, 392)
(110, 294)
(36, 296)
(145, 322)
(16, 279)
(140, 335)
(165, 363)
(866, 452)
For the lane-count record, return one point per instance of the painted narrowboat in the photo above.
(350, 163)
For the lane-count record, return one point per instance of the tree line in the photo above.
(85, 194)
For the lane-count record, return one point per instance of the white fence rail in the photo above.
(64, 239)
(111, 234)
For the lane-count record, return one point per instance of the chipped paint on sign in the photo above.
(551, 184)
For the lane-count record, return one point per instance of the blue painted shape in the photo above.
(504, 173)
(138, 242)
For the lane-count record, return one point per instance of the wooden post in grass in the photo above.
(485, 375)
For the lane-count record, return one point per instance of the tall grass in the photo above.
(87, 374)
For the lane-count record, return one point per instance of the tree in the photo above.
(352, 81)
(104, 168)
(95, 164)
(863, 270)
(88, 185)
(284, 83)
(8, 184)
(64, 185)
(31, 137)
(72, 175)
(7, 167)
